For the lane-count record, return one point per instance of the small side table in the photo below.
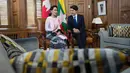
(96, 39)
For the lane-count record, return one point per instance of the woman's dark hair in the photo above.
(52, 7)
(74, 7)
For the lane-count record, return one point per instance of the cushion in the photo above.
(70, 61)
(12, 48)
(121, 31)
(110, 31)
(117, 31)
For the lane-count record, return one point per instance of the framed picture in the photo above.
(102, 8)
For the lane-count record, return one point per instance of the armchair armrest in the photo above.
(103, 34)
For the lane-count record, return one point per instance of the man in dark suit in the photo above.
(77, 26)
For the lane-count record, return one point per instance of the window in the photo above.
(30, 13)
(3, 13)
(38, 3)
(33, 12)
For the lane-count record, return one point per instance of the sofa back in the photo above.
(119, 30)
(28, 44)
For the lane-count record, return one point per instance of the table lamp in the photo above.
(97, 21)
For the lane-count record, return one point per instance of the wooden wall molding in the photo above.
(124, 11)
(118, 11)
(83, 10)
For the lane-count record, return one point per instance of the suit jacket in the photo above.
(80, 23)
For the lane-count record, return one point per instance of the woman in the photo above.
(52, 26)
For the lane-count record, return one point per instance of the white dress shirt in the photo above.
(75, 17)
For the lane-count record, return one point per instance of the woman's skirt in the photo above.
(50, 35)
(55, 41)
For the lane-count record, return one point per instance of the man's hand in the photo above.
(76, 30)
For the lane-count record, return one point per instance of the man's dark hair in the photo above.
(74, 7)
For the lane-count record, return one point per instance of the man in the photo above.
(77, 26)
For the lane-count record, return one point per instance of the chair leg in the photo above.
(72, 43)
(44, 43)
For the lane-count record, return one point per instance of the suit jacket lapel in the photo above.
(78, 20)
(72, 20)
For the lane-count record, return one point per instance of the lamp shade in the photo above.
(98, 20)
(93, 20)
